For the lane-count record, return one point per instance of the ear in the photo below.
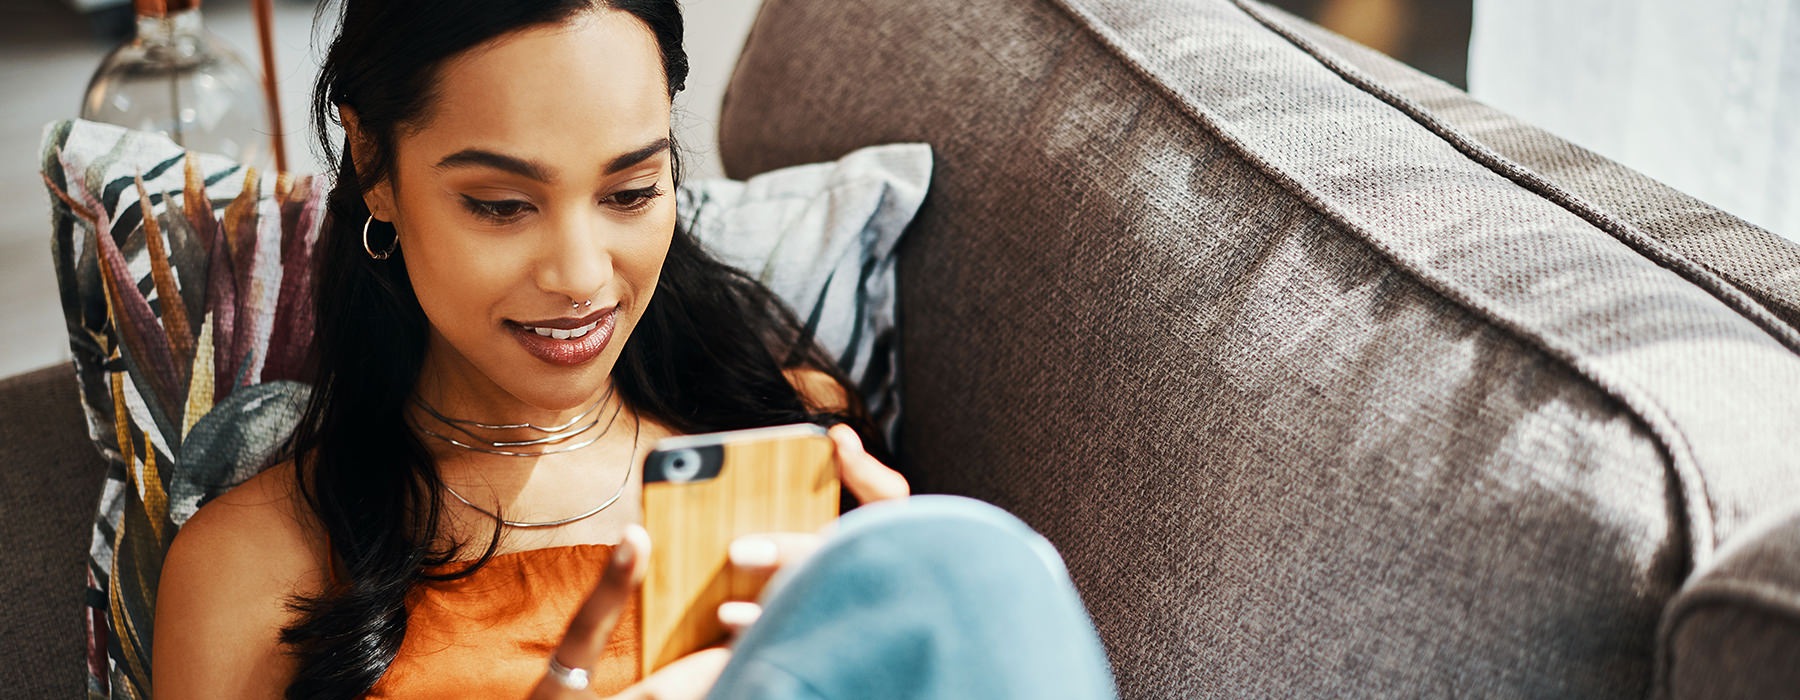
(378, 196)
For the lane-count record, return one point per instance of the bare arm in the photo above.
(222, 599)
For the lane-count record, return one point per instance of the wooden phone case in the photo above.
(780, 479)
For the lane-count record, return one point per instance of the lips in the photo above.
(567, 342)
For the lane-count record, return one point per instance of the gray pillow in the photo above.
(822, 236)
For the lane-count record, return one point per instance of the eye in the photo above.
(500, 211)
(635, 200)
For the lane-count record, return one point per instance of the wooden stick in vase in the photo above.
(265, 36)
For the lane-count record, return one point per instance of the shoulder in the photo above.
(223, 596)
(821, 391)
(259, 524)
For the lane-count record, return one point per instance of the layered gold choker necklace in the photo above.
(556, 435)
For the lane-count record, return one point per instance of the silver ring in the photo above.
(571, 678)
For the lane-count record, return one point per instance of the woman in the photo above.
(507, 317)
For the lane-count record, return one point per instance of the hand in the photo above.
(867, 478)
(758, 557)
(584, 642)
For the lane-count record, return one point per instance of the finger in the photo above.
(767, 551)
(755, 559)
(867, 478)
(690, 676)
(737, 616)
(594, 621)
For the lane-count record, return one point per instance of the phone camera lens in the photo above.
(682, 465)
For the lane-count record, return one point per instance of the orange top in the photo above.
(491, 634)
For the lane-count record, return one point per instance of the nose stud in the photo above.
(574, 305)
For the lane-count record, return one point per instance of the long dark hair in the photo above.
(709, 353)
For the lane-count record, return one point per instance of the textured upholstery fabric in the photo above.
(1733, 636)
(1313, 402)
(1757, 261)
(49, 478)
(1734, 631)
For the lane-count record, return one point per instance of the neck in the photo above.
(455, 387)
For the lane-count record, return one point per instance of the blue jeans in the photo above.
(931, 597)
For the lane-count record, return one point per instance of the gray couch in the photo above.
(1326, 380)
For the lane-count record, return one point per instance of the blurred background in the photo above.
(1431, 35)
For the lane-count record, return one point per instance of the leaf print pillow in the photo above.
(184, 283)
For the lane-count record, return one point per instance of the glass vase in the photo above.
(180, 80)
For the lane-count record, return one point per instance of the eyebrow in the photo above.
(637, 156)
(475, 157)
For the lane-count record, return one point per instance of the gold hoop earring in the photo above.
(382, 255)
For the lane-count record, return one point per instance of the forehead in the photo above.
(576, 93)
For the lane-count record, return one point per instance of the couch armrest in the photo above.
(50, 477)
(1733, 631)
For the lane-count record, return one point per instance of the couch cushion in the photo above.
(1734, 630)
(49, 479)
(1314, 403)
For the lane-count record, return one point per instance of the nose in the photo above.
(574, 261)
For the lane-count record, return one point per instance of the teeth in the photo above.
(560, 334)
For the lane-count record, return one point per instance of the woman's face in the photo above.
(535, 205)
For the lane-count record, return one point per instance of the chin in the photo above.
(561, 389)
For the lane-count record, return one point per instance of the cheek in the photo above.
(640, 264)
(455, 279)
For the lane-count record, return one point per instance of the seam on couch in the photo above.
(1440, 99)
(1655, 250)
(1693, 499)
(1765, 599)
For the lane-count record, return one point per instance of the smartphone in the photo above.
(703, 491)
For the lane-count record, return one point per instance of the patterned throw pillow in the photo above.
(184, 280)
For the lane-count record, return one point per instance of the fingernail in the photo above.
(754, 552)
(739, 614)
